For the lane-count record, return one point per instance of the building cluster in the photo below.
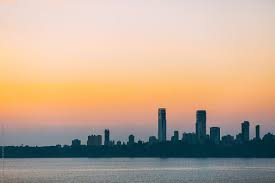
(199, 137)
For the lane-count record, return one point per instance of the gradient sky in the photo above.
(69, 69)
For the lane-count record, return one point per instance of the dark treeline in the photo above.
(259, 149)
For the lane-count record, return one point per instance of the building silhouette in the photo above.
(152, 140)
(201, 125)
(131, 140)
(245, 131)
(175, 137)
(118, 143)
(215, 135)
(106, 137)
(94, 140)
(269, 138)
(228, 139)
(162, 124)
(189, 138)
(257, 128)
(76, 142)
(239, 138)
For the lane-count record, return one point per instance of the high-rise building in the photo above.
(201, 125)
(131, 140)
(162, 124)
(215, 135)
(94, 140)
(176, 135)
(245, 131)
(258, 132)
(106, 137)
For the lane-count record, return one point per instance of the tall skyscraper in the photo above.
(258, 132)
(201, 125)
(106, 137)
(215, 135)
(245, 131)
(162, 124)
(176, 136)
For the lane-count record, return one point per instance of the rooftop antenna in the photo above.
(3, 151)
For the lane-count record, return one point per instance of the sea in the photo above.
(133, 170)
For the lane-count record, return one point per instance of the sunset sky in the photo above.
(69, 69)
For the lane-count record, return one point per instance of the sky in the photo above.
(69, 69)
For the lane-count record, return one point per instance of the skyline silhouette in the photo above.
(72, 66)
(194, 144)
(137, 91)
(199, 136)
(200, 117)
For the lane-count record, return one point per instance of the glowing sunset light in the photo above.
(91, 65)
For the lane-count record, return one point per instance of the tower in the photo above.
(245, 131)
(106, 137)
(201, 125)
(162, 124)
(215, 135)
(176, 136)
(258, 132)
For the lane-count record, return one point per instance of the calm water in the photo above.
(139, 170)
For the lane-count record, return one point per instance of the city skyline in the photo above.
(194, 144)
(70, 67)
(200, 117)
(203, 133)
(200, 136)
(137, 91)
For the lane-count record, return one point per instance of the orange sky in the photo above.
(92, 65)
